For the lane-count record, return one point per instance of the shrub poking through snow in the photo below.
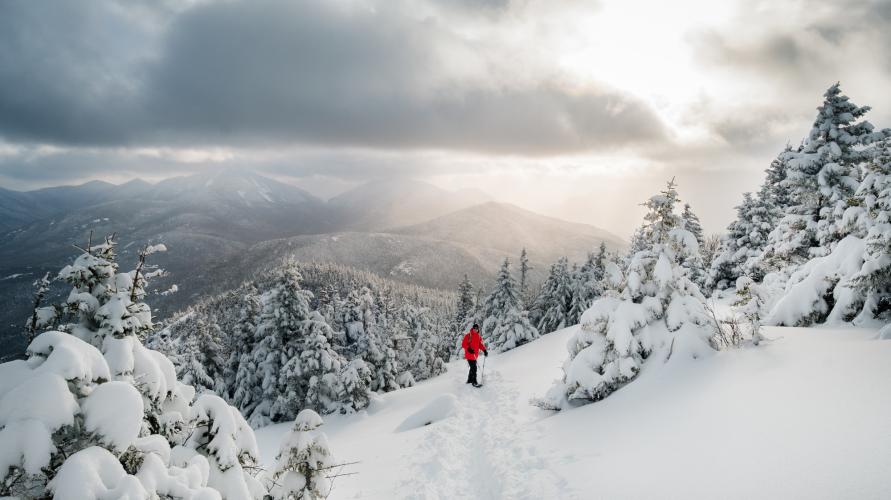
(656, 309)
(304, 462)
(92, 413)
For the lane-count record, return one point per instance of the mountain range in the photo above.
(225, 227)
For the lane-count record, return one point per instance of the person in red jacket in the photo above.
(472, 345)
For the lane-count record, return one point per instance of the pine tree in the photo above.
(742, 248)
(873, 281)
(691, 222)
(386, 372)
(556, 298)
(465, 305)
(319, 367)
(588, 283)
(360, 320)
(656, 307)
(638, 242)
(775, 190)
(709, 251)
(584, 289)
(285, 306)
(109, 407)
(41, 317)
(506, 325)
(356, 383)
(425, 359)
(821, 177)
(304, 462)
(201, 361)
(524, 277)
(248, 392)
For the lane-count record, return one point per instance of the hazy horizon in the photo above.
(575, 109)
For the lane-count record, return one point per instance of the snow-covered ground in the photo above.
(807, 415)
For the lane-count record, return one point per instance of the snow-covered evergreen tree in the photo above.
(360, 321)
(426, 357)
(285, 307)
(239, 365)
(691, 222)
(93, 402)
(299, 367)
(588, 283)
(638, 242)
(709, 250)
(873, 280)
(505, 325)
(656, 308)
(849, 282)
(356, 382)
(304, 462)
(465, 304)
(42, 317)
(201, 363)
(743, 245)
(821, 177)
(775, 190)
(524, 278)
(382, 356)
(316, 372)
(555, 301)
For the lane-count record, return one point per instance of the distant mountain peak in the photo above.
(233, 185)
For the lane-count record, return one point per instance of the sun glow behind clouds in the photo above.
(641, 47)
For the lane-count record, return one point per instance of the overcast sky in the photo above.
(579, 109)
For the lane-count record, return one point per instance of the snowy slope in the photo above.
(507, 227)
(804, 416)
(382, 204)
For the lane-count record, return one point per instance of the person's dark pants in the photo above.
(471, 376)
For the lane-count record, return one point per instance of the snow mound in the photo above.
(808, 288)
(434, 411)
(114, 411)
(68, 356)
(307, 420)
(95, 473)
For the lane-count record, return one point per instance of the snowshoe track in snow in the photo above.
(481, 451)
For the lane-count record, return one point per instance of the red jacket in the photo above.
(472, 340)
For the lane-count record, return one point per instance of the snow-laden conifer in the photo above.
(304, 462)
(505, 325)
(657, 308)
(94, 414)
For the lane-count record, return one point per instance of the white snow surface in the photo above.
(114, 411)
(804, 415)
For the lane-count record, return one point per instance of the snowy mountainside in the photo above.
(409, 259)
(238, 188)
(382, 204)
(801, 416)
(224, 227)
(506, 227)
(18, 208)
(474, 240)
(204, 219)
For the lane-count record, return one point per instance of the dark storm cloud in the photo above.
(65, 72)
(279, 72)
